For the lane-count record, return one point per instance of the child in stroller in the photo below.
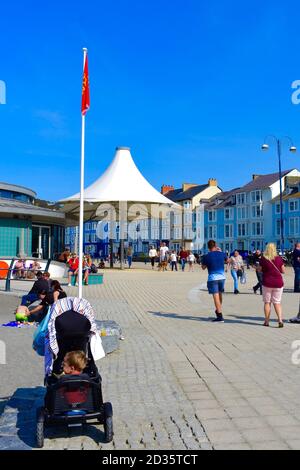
(72, 399)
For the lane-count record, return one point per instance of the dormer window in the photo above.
(256, 196)
(241, 198)
(187, 204)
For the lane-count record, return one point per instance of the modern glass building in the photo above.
(27, 229)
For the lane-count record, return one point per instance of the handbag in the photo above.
(239, 273)
(277, 269)
(243, 279)
(39, 335)
(96, 347)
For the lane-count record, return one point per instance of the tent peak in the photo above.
(123, 148)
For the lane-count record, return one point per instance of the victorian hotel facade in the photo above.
(244, 218)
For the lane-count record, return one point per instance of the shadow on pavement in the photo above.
(256, 321)
(18, 422)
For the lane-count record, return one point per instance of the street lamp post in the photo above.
(292, 148)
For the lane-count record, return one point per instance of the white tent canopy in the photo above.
(122, 181)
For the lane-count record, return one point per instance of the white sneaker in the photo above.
(69, 285)
(76, 284)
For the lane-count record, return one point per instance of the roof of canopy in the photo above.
(121, 181)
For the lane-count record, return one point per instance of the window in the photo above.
(176, 219)
(187, 218)
(278, 227)
(256, 196)
(277, 208)
(257, 228)
(293, 206)
(228, 231)
(240, 198)
(212, 231)
(294, 226)
(242, 213)
(87, 238)
(93, 238)
(187, 204)
(211, 216)
(228, 214)
(242, 230)
(257, 211)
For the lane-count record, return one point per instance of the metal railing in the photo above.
(10, 270)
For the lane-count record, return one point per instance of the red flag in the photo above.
(85, 100)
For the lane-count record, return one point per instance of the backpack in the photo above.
(94, 269)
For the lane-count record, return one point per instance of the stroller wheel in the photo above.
(108, 429)
(40, 424)
(108, 422)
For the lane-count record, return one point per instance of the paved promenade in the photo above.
(178, 381)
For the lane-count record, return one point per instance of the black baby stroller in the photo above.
(72, 400)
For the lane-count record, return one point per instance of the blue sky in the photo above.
(191, 86)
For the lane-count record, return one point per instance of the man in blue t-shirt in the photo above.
(214, 262)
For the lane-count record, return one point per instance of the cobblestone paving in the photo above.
(180, 382)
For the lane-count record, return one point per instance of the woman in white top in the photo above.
(237, 267)
(191, 260)
(152, 255)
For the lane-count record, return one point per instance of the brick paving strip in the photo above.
(181, 382)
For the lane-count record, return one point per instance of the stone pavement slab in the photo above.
(179, 381)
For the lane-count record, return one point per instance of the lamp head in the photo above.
(265, 147)
(293, 149)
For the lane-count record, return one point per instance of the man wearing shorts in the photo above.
(73, 268)
(214, 262)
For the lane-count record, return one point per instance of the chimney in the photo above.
(212, 182)
(166, 188)
(254, 177)
(186, 186)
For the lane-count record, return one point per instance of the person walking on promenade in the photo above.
(214, 263)
(152, 255)
(296, 266)
(163, 253)
(272, 267)
(236, 268)
(256, 259)
(173, 259)
(183, 254)
(191, 260)
(129, 256)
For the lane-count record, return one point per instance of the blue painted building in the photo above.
(291, 214)
(92, 244)
(245, 218)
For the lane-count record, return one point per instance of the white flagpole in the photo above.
(81, 195)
